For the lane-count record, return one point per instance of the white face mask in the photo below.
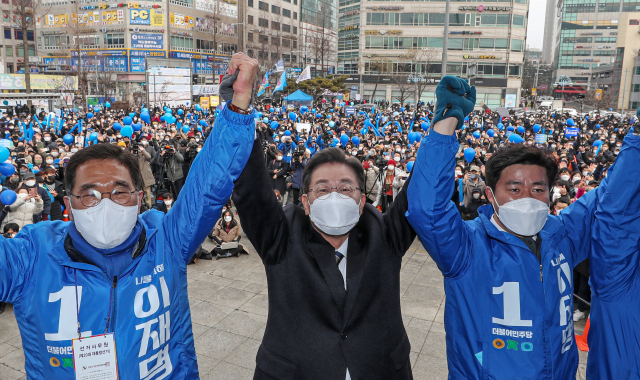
(458, 173)
(564, 177)
(524, 216)
(334, 215)
(227, 219)
(74, 150)
(106, 225)
(279, 158)
(47, 138)
(30, 183)
(391, 167)
(144, 142)
(476, 196)
(22, 195)
(49, 162)
(168, 202)
(54, 153)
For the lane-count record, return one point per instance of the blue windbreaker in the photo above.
(614, 260)
(147, 307)
(506, 315)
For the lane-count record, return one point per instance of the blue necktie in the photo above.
(339, 257)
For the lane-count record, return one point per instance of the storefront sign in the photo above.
(178, 33)
(469, 56)
(147, 41)
(57, 21)
(467, 33)
(86, 19)
(350, 27)
(137, 29)
(151, 17)
(383, 32)
(113, 17)
(181, 21)
(229, 10)
(482, 8)
(386, 8)
(350, 13)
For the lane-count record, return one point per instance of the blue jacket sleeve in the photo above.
(578, 220)
(210, 182)
(614, 257)
(433, 215)
(16, 264)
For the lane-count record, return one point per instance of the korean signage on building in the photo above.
(482, 8)
(86, 19)
(153, 17)
(147, 41)
(386, 8)
(206, 5)
(482, 56)
(181, 21)
(113, 17)
(228, 10)
(138, 58)
(382, 32)
(38, 82)
(57, 21)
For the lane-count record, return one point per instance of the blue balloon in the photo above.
(127, 120)
(145, 117)
(571, 123)
(180, 111)
(331, 110)
(96, 110)
(402, 109)
(412, 137)
(272, 110)
(597, 126)
(410, 166)
(90, 115)
(355, 140)
(145, 110)
(6, 169)
(469, 154)
(344, 139)
(520, 129)
(132, 114)
(313, 110)
(93, 136)
(516, 139)
(68, 139)
(203, 123)
(265, 120)
(490, 133)
(500, 126)
(173, 120)
(328, 116)
(107, 104)
(318, 115)
(424, 125)
(198, 107)
(536, 128)
(185, 129)
(127, 131)
(274, 124)
(117, 126)
(332, 124)
(476, 134)
(510, 128)
(169, 111)
(8, 197)
(292, 116)
(287, 133)
(597, 143)
(137, 127)
(4, 154)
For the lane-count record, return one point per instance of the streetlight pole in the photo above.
(536, 87)
(624, 91)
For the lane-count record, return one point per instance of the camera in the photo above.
(135, 147)
(168, 151)
(299, 151)
(192, 152)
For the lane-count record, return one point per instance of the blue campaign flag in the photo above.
(571, 132)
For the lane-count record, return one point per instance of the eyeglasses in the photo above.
(344, 190)
(91, 198)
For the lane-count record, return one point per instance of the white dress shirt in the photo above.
(342, 267)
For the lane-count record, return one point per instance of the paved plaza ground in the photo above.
(229, 311)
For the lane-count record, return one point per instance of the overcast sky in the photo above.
(535, 32)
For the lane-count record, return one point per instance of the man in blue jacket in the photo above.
(112, 271)
(508, 273)
(614, 351)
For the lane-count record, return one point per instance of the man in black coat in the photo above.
(278, 170)
(316, 328)
(56, 189)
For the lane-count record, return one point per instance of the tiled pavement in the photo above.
(229, 311)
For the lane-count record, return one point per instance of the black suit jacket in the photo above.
(316, 329)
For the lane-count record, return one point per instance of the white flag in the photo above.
(280, 66)
(305, 75)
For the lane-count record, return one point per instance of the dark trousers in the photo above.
(582, 289)
(296, 196)
(175, 187)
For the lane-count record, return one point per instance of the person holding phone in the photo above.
(22, 211)
(33, 189)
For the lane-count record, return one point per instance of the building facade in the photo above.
(552, 25)
(626, 66)
(393, 50)
(12, 52)
(588, 37)
(110, 42)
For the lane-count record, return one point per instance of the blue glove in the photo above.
(455, 99)
(226, 86)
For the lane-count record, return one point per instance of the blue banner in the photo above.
(571, 132)
(350, 110)
(147, 41)
(138, 58)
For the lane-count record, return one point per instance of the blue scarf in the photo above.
(112, 261)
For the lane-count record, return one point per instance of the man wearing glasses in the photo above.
(117, 279)
(333, 272)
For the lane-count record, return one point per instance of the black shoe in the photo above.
(206, 255)
(2, 307)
